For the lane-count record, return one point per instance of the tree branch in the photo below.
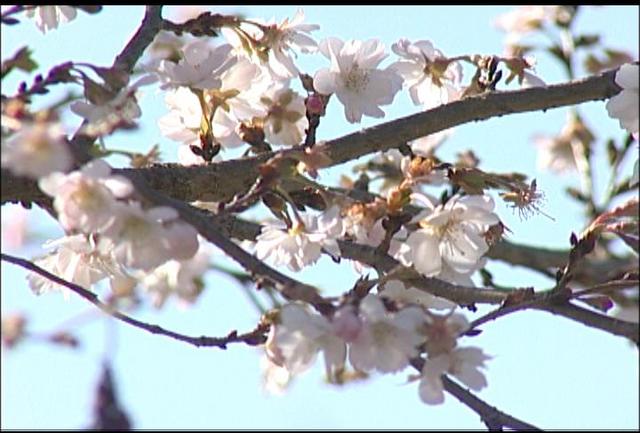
(221, 181)
(209, 228)
(493, 418)
(255, 337)
(125, 61)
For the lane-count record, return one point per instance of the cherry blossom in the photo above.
(463, 363)
(387, 341)
(525, 19)
(285, 122)
(180, 277)
(451, 233)
(354, 78)
(85, 199)
(145, 239)
(200, 68)
(295, 341)
(268, 44)
(48, 17)
(275, 379)
(80, 260)
(624, 105)
(36, 150)
(564, 152)
(301, 244)
(431, 77)
(122, 110)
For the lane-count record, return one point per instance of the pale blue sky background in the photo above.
(546, 370)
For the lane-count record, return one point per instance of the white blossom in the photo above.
(120, 111)
(431, 77)
(463, 363)
(200, 68)
(624, 105)
(180, 277)
(145, 239)
(295, 341)
(36, 150)
(285, 122)
(300, 245)
(48, 17)
(452, 233)
(564, 152)
(80, 260)
(354, 78)
(269, 44)
(85, 199)
(387, 341)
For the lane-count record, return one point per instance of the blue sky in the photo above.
(546, 370)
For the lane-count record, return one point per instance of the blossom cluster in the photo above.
(108, 235)
(373, 338)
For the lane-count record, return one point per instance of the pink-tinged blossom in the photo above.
(85, 200)
(182, 123)
(80, 260)
(182, 278)
(624, 105)
(387, 341)
(275, 378)
(463, 363)
(36, 150)
(431, 77)
(119, 112)
(300, 245)
(525, 19)
(200, 68)
(145, 239)
(285, 122)
(354, 78)
(564, 152)
(270, 45)
(451, 234)
(14, 226)
(48, 17)
(300, 335)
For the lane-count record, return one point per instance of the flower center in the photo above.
(357, 79)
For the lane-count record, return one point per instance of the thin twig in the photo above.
(493, 418)
(255, 337)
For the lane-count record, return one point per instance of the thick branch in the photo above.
(255, 337)
(221, 181)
